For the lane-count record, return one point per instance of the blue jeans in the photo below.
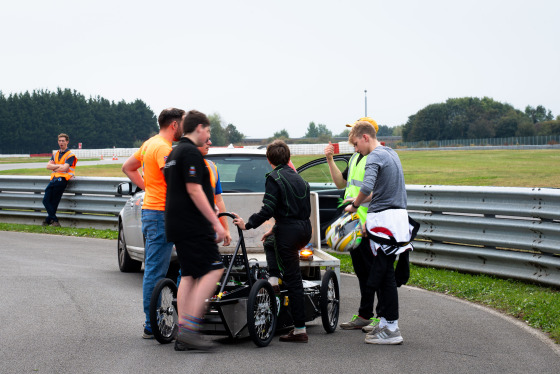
(53, 194)
(157, 255)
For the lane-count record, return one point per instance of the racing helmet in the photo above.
(345, 233)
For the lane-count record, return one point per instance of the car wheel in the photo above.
(126, 264)
(163, 311)
(261, 313)
(329, 301)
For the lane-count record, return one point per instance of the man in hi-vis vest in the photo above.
(362, 257)
(62, 165)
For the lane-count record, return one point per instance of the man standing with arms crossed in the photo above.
(62, 165)
(151, 156)
(192, 224)
(362, 258)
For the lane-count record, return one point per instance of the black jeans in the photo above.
(290, 238)
(271, 255)
(382, 279)
(53, 194)
(362, 260)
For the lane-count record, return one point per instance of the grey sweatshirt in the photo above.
(384, 176)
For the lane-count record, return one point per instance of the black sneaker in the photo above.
(147, 334)
(45, 223)
(181, 346)
(192, 340)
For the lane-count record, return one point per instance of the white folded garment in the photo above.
(389, 225)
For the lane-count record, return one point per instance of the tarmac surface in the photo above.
(66, 308)
(41, 165)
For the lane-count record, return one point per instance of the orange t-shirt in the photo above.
(153, 154)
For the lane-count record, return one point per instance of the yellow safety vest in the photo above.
(356, 172)
(61, 161)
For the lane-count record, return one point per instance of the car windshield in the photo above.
(241, 173)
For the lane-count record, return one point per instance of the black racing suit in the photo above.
(287, 199)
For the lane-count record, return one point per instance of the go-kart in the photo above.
(245, 303)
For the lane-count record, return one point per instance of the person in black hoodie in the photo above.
(287, 199)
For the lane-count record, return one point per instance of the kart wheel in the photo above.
(261, 313)
(126, 264)
(329, 301)
(163, 314)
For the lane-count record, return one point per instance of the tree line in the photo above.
(475, 118)
(30, 122)
(319, 133)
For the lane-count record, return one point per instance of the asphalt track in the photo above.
(41, 165)
(66, 308)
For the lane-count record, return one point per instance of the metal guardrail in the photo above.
(503, 231)
(87, 202)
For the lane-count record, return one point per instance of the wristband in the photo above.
(354, 206)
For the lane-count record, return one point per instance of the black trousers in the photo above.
(288, 239)
(53, 194)
(362, 260)
(382, 279)
(271, 255)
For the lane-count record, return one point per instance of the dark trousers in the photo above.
(362, 260)
(382, 279)
(289, 239)
(271, 255)
(53, 194)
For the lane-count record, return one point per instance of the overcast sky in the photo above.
(271, 65)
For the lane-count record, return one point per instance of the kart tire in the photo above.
(261, 313)
(163, 311)
(329, 301)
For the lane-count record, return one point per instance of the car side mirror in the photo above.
(124, 188)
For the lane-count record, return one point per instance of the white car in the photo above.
(242, 176)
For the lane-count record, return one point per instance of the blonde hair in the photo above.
(64, 136)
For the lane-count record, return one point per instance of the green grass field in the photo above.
(111, 170)
(505, 168)
(20, 160)
(509, 168)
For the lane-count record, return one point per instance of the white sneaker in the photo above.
(384, 336)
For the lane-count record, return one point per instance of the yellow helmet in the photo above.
(345, 234)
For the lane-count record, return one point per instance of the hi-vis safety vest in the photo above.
(213, 175)
(61, 161)
(356, 172)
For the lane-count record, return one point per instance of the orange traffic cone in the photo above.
(114, 154)
(102, 156)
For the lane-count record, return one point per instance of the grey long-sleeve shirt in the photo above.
(384, 176)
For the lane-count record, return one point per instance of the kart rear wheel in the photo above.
(329, 301)
(163, 313)
(261, 313)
